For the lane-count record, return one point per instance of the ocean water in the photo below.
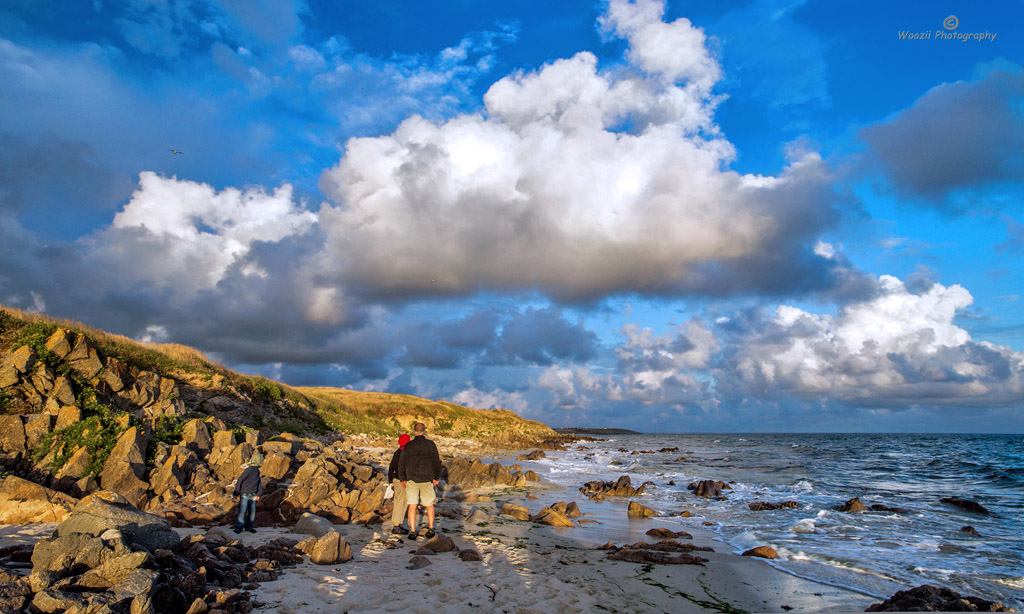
(876, 553)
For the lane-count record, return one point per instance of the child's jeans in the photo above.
(246, 512)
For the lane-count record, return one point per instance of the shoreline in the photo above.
(525, 567)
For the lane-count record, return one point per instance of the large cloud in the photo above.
(582, 183)
(897, 350)
(958, 135)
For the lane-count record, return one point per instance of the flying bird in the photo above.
(174, 151)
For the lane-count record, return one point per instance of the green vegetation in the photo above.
(168, 430)
(97, 435)
(298, 410)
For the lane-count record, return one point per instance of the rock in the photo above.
(969, 530)
(852, 506)
(114, 570)
(935, 599)
(441, 543)
(83, 358)
(70, 554)
(966, 504)
(37, 427)
(764, 552)
(169, 478)
(631, 555)
(59, 343)
(276, 465)
(311, 524)
(68, 414)
(515, 511)
(12, 434)
(126, 466)
(330, 549)
(76, 466)
(478, 516)
(662, 533)
(532, 456)
(418, 562)
(469, 555)
(623, 487)
(708, 488)
(22, 501)
(760, 506)
(552, 517)
(104, 510)
(196, 437)
(572, 510)
(878, 507)
(531, 476)
(636, 510)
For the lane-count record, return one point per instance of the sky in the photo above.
(699, 216)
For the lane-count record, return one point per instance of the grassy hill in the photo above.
(244, 401)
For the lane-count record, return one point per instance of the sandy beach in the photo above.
(527, 567)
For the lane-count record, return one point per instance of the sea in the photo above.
(876, 552)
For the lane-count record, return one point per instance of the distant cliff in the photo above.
(579, 430)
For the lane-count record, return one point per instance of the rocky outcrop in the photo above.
(125, 468)
(928, 598)
(662, 533)
(623, 487)
(760, 506)
(966, 504)
(666, 552)
(105, 510)
(711, 489)
(854, 505)
(23, 501)
(467, 474)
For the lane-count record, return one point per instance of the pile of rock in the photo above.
(597, 490)
(665, 552)
(109, 556)
(475, 474)
(928, 598)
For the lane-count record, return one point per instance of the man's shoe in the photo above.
(412, 535)
(397, 530)
(430, 533)
(251, 530)
(237, 530)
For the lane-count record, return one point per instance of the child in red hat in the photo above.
(400, 501)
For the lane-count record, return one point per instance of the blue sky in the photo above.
(692, 216)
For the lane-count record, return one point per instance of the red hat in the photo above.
(403, 439)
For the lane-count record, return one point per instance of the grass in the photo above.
(299, 410)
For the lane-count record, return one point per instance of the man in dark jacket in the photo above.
(248, 486)
(399, 513)
(419, 470)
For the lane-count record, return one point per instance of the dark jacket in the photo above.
(393, 467)
(249, 482)
(419, 461)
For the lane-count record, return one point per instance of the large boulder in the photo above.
(276, 465)
(331, 549)
(966, 504)
(928, 598)
(635, 510)
(125, 468)
(105, 510)
(196, 437)
(710, 489)
(22, 501)
(764, 552)
(311, 524)
(552, 517)
(515, 511)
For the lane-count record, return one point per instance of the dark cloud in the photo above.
(543, 337)
(958, 135)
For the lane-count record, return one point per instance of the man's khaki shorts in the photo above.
(420, 492)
